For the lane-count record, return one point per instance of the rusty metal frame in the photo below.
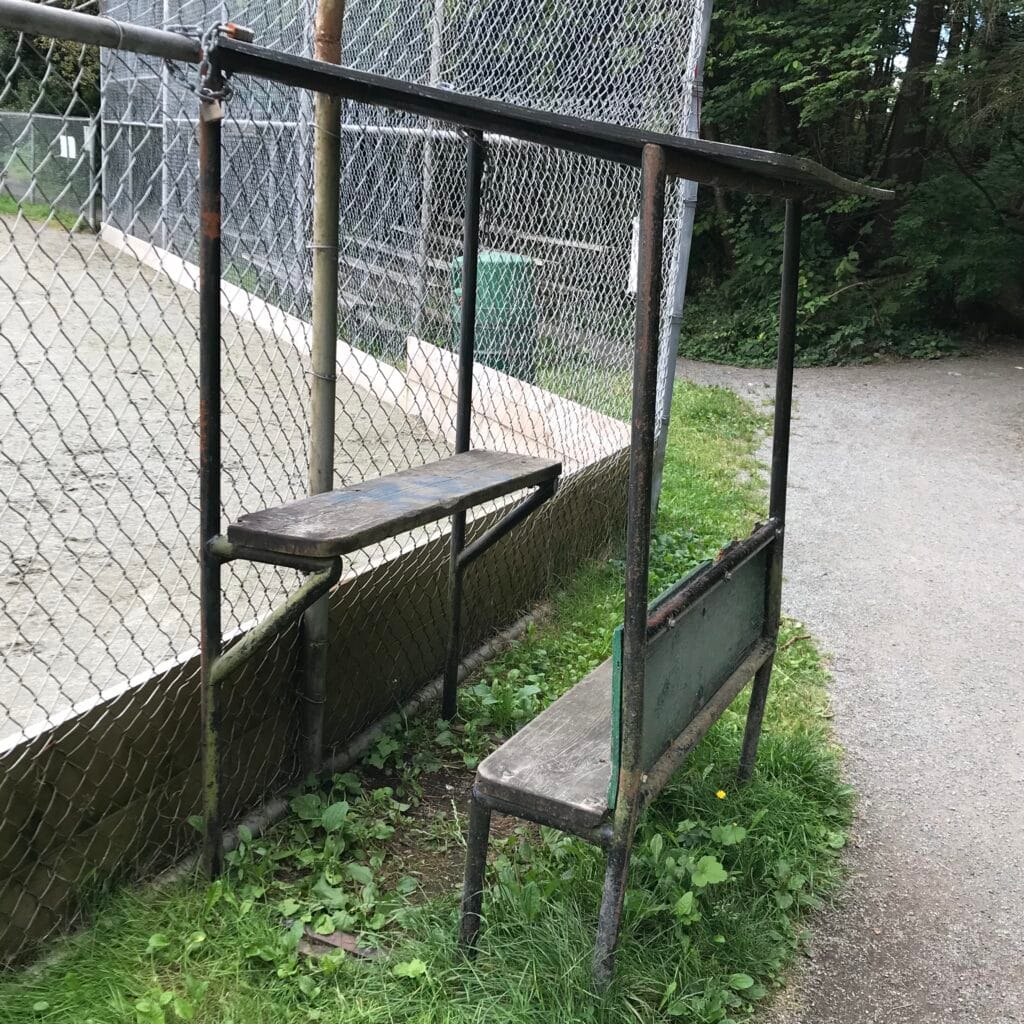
(713, 163)
(659, 157)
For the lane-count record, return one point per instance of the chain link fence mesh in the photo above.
(99, 398)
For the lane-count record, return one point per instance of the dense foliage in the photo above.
(923, 97)
(70, 71)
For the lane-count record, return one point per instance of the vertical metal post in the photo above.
(475, 154)
(96, 172)
(638, 555)
(165, 121)
(780, 471)
(701, 29)
(641, 456)
(31, 196)
(786, 355)
(330, 16)
(477, 837)
(427, 183)
(210, 116)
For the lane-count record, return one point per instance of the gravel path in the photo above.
(905, 559)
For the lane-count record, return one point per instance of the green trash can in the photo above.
(506, 321)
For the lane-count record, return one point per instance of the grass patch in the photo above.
(605, 390)
(43, 212)
(718, 888)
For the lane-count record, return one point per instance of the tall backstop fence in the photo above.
(99, 712)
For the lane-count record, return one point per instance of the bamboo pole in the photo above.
(330, 17)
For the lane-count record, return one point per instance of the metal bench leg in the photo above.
(476, 865)
(453, 650)
(780, 472)
(755, 715)
(616, 875)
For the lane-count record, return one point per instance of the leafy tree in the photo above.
(71, 72)
(924, 97)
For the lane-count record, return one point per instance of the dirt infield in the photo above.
(98, 465)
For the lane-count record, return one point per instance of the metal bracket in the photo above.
(471, 552)
(324, 573)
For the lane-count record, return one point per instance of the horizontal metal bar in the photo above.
(471, 552)
(728, 562)
(221, 548)
(655, 779)
(277, 621)
(712, 163)
(390, 131)
(94, 30)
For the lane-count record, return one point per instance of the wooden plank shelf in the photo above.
(337, 522)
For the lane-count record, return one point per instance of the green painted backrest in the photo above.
(690, 659)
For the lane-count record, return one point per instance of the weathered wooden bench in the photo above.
(706, 638)
(313, 533)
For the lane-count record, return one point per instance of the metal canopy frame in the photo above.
(659, 158)
(711, 163)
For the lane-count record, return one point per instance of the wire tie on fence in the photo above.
(324, 131)
(319, 245)
(329, 377)
(120, 30)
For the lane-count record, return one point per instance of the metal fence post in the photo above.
(31, 197)
(638, 555)
(96, 174)
(475, 153)
(330, 17)
(780, 472)
(681, 260)
(210, 116)
(427, 198)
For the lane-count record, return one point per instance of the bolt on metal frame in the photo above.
(659, 157)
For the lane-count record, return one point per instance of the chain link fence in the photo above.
(98, 407)
(50, 162)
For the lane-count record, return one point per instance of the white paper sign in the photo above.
(634, 257)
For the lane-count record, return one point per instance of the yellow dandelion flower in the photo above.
(720, 794)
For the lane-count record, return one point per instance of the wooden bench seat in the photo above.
(337, 522)
(558, 766)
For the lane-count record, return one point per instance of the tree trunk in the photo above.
(710, 132)
(958, 15)
(907, 138)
